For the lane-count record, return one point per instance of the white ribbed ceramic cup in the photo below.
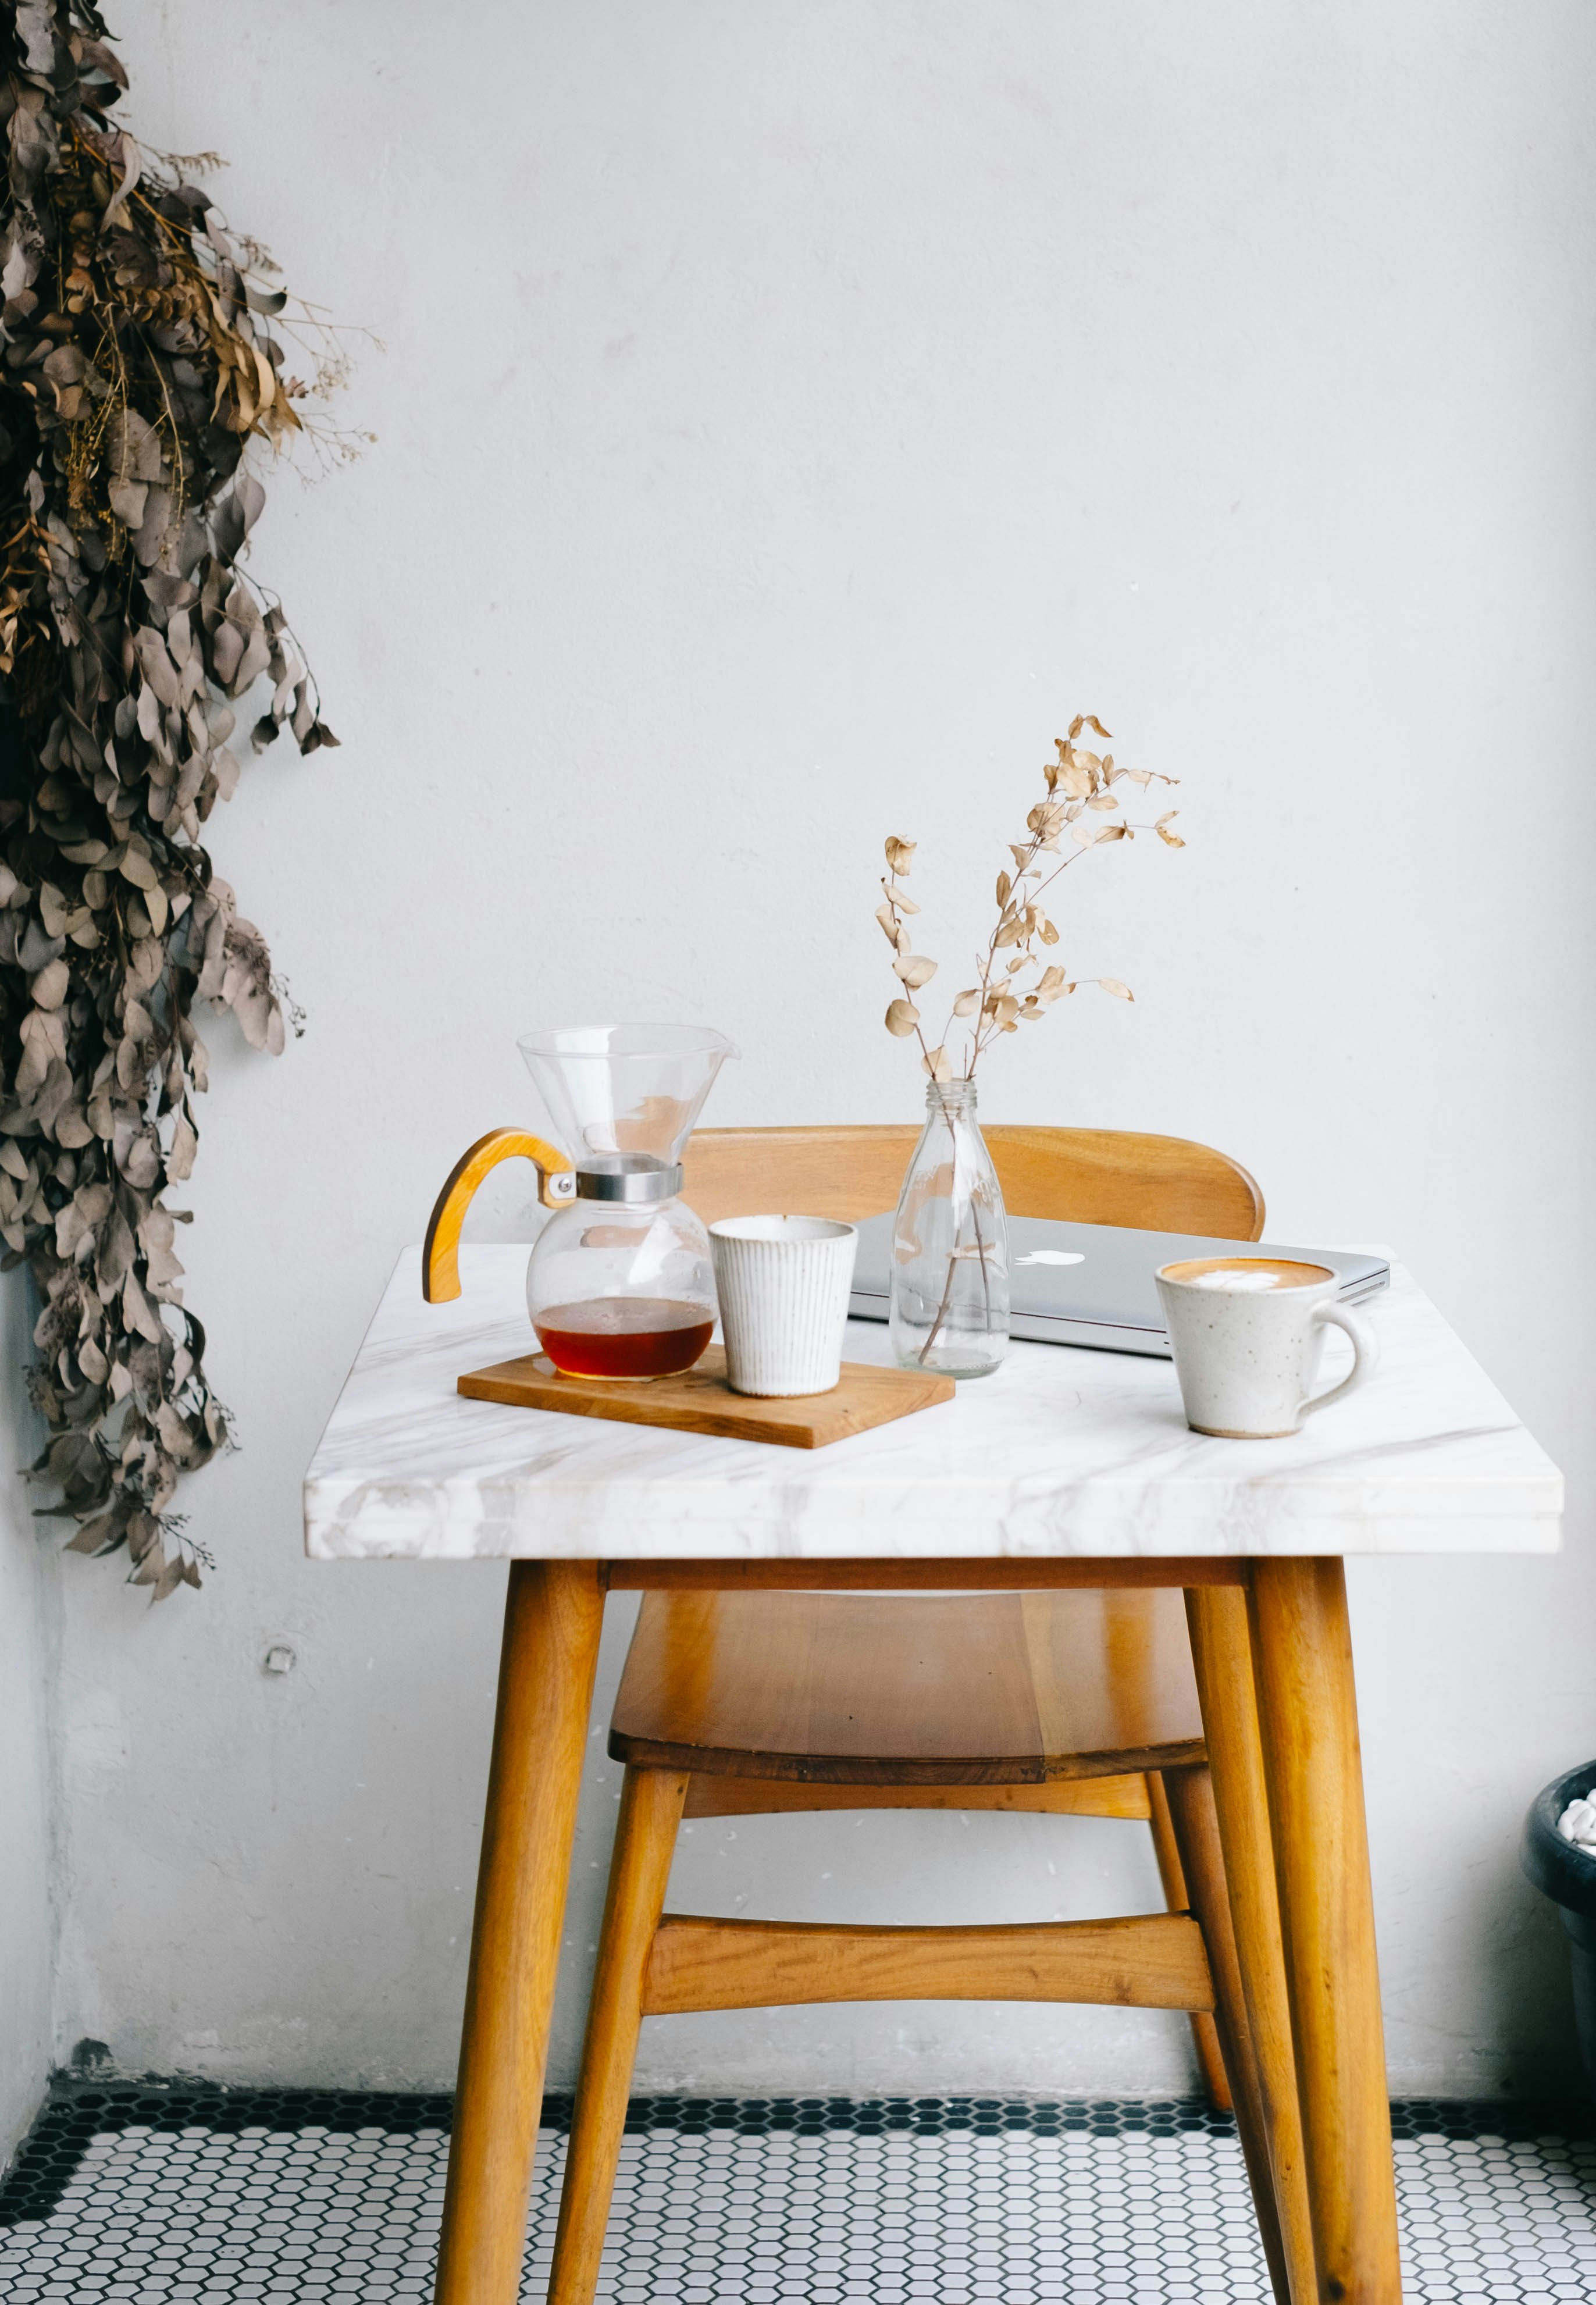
(783, 1284)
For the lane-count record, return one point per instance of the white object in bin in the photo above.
(1577, 1822)
(783, 1284)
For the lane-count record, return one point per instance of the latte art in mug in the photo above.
(1247, 1276)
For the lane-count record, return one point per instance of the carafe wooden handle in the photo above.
(440, 1252)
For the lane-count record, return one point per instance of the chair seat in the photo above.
(909, 1689)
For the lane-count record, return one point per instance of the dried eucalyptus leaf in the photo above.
(902, 1017)
(914, 969)
(127, 500)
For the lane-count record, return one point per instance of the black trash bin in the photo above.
(1568, 1875)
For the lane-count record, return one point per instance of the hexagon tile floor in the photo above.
(167, 2195)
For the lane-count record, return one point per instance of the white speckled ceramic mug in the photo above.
(783, 1284)
(1246, 1332)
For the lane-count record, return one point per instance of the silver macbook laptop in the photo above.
(1079, 1284)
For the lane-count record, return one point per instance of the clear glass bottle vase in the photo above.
(949, 1307)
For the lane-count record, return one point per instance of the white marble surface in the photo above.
(1063, 1451)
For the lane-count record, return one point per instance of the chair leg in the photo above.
(1195, 1825)
(1205, 2037)
(651, 1803)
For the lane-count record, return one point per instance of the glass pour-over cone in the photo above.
(625, 1088)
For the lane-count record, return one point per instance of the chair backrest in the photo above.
(1085, 1176)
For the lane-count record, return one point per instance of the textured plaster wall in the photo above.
(28, 1632)
(789, 416)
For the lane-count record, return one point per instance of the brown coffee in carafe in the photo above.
(624, 1336)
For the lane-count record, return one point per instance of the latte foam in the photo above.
(1246, 1276)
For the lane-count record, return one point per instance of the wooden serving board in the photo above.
(700, 1401)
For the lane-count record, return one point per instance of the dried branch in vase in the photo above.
(1016, 984)
(137, 368)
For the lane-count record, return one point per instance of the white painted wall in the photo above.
(790, 415)
(30, 1626)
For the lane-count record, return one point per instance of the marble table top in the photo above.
(1064, 1451)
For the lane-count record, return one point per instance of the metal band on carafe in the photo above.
(633, 1176)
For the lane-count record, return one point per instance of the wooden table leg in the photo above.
(1221, 1654)
(553, 1614)
(1307, 1708)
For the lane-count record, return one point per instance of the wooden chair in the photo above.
(1071, 1702)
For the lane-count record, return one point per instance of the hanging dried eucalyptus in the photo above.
(135, 373)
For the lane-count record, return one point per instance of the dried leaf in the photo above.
(899, 856)
(937, 1064)
(1112, 985)
(902, 1017)
(1103, 800)
(889, 926)
(914, 969)
(127, 501)
(49, 986)
(905, 904)
(968, 1002)
(1005, 886)
(1170, 840)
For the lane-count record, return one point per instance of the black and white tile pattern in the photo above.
(151, 2195)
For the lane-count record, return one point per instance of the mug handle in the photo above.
(1365, 1352)
(440, 1252)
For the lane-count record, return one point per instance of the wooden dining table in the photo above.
(1068, 1467)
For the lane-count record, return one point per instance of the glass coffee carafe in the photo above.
(620, 1284)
